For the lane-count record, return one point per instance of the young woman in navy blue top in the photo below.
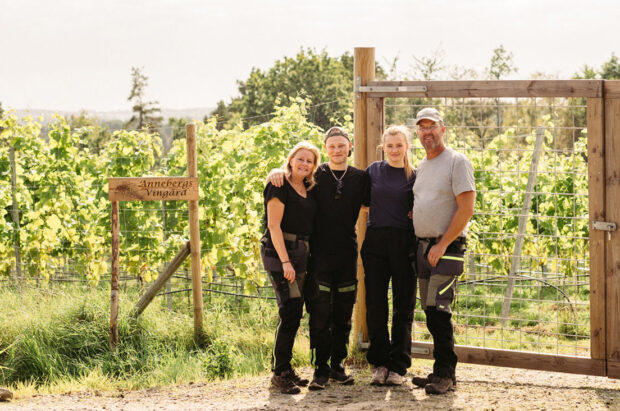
(387, 253)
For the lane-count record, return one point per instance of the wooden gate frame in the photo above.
(167, 189)
(603, 123)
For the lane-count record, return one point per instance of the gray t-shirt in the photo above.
(438, 182)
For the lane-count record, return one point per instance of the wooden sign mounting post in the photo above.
(159, 189)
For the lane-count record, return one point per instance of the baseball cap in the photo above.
(337, 131)
(428, 113)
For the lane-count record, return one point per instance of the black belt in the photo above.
(435, 240)
(295, 237)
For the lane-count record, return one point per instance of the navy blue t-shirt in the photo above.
(391, 196)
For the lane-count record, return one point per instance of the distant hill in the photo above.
(122, 115)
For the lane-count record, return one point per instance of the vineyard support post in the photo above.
(194, 233)
(164, 278)
(114, 279)
(15, 216)
(363, 71)
(525, 215)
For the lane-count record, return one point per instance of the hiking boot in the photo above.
(379, 375)
(423, 381)
(319, 382)
(337, 374)
(5, 395)
(395, 378)
(440, 385)
(300, 382)
(285, 383)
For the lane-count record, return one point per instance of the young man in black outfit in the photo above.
(339, 193)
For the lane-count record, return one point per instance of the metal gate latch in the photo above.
(604, 226)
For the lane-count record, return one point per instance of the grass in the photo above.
(58, 341)
(55, 341)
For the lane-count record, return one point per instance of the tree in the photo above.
(610, 70)
(502, 64)
(225, 116)
(427, 67)
(324, 80)
(146, 113)
(93, 134)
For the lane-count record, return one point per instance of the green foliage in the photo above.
(64, 211)
(609, 70)
(501, 64)
(310, 74)
(232, 165)
(92, 133)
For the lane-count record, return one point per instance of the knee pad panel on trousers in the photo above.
(280, 287)
(319, 308)
(346, 293)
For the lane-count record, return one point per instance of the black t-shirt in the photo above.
(299, 212)
(391, 196)
(334, 232)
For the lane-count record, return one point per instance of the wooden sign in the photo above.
(153, 188)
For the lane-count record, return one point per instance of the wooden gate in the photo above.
(603, 142)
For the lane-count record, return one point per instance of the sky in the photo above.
(78, 54)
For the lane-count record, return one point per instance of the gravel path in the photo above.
(479, 387)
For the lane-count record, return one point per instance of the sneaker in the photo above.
(440, 385)
(379, 375)
(285, 383)
(395, 378)
(340, 376)
(319, 382)
(423, 381)
(300, 382)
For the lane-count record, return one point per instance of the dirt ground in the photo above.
(479, 387)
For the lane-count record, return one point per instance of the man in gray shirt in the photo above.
(444, 193)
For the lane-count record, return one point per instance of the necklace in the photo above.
(334, 175)
(339, 183)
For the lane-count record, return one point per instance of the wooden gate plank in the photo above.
(518, 359)
(495, 88)
(596, 198)
(612, 242)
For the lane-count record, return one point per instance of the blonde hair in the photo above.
(404, 132)
(304, 145)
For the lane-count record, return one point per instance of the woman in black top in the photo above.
(386, 254)
(289, 217)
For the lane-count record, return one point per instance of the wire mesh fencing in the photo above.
(526, 280)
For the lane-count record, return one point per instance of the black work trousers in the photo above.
(437, 290)
(330, 313)
(289, 297)
(386, 255)
(439, 325)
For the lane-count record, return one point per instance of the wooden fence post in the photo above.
(114, 279)
(194, 232)
(363, 71)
